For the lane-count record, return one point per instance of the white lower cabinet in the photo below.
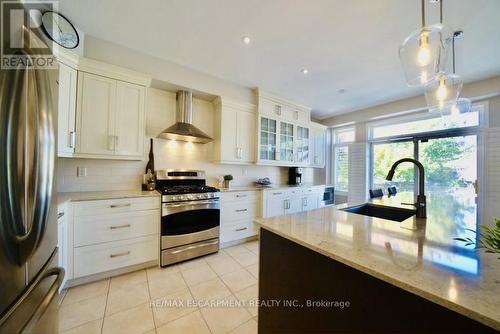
(103, 257)
(238, 211)
(113, 234)
(289, 201)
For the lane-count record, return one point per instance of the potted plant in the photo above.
(489, 238)
(227, 180)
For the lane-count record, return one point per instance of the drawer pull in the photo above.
(241, 196)
(241, 229)
(119, 254)
(215, 242)
(277, 193)
(113, 206)
(119, 226)
(241, 210)
(60, 215)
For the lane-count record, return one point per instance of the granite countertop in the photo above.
(99, 195)
(274, 186)
(418, 255)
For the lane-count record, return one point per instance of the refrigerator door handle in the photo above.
(22, 244)
(30, 326)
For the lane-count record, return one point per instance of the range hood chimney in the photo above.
(183, 129)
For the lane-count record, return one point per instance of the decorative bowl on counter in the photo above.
(263, 182)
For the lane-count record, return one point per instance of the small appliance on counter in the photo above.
(263, 182)
(295, 175)
(328, 196)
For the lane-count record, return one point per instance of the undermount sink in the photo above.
(379, 211)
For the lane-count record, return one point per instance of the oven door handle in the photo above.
(171, 208)
(215, 242)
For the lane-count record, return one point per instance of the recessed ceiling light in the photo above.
(246, 40)
(304, 71)
(341, 91)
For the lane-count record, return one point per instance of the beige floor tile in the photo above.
(249, 327)
(211, 289)
(166, 285)
(254, 270)
(120, 299)
(192, 323)
(235, 249)
(126, 280)
(197, 275)
(157, 272)
(138, 319)
(245, 258)
(249, 296)
(78, 313)
(224, 319)
(171, 307)
(238, 280)
(195, 263)
(253, 246)
(224, 265)
(86, 291)
(92, 327)
(153, 331)
(220, 255)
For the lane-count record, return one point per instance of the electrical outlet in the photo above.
(81, 171)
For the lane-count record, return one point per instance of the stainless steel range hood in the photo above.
(183, 129)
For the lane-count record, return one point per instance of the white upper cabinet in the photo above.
(66, 111)
(284, 133)
(235, 128)
(318, 145)
(101, 110)
(129, 120)
(96, 114)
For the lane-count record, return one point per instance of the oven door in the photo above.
(184, 223)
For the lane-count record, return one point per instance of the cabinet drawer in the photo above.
(113, 255)
(238, 231)
(90, 230)
(244, 196)
(87, 208)
(231, 212)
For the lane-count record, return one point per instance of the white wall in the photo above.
(106, 175)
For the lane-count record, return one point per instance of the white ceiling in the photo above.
(351, 45)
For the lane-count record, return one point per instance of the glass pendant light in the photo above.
(424, 52)
(442, 93)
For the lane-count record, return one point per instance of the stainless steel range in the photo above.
(190, 215)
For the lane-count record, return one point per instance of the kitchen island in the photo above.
(337, 272)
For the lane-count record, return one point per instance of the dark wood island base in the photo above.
(302, 291)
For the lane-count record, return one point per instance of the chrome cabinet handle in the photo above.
(114, 206)
(117, 142)
(119, 254)
(72, 139)
(241, 210)
(241, 196)
(119, 226)
(241, 229)
(278, 193)
(60, 215)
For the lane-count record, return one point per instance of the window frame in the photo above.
(335, 144)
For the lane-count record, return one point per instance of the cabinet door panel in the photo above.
(275, 206)
(294, 205)
(268, 139)
(129, 128)
(246, 133)
(229, 135)
(96, 105)
(66, 141)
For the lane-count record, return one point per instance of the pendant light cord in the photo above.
(423, 13)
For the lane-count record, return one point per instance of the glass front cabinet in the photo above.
(283, 143)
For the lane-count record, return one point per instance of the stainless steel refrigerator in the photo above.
(29, 276)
